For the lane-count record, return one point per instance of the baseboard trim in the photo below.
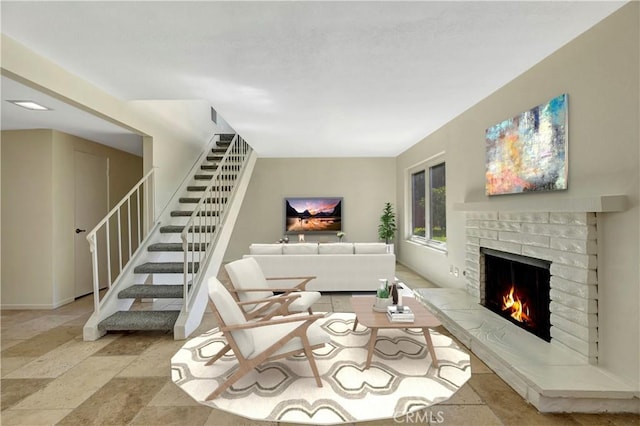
(18, 306)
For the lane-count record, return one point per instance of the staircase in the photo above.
(185, 246)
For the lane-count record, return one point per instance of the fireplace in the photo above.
(517, 288)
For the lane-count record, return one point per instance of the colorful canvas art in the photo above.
(529, 152)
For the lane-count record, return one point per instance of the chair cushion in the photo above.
(306, 299)
(265, 249)
(231, 314)
(246, 273)
(268, 335)
(300, 248)
(336, 248)
(369, 248)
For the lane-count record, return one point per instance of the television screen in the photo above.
(313, 214)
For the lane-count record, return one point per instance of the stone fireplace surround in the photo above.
(562, 375)
(568, 241)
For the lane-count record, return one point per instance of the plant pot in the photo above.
(381, 304)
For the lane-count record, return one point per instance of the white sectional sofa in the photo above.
(337, 266)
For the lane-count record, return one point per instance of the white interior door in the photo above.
(91, 205)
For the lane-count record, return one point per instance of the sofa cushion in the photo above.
(300, 248)
(336, 248)
(370, 248)
(265, 249)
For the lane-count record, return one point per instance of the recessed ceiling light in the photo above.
(30, 105)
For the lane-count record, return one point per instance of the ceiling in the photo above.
(301, 78)
(62, 117)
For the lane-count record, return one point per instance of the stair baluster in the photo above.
(198, 238)
(143, 220)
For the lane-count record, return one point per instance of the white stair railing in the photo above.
(120, 235)
(201, 230)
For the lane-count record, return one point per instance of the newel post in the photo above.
(93, 247)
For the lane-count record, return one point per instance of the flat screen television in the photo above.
(305, 215)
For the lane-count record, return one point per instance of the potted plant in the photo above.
(383, 296)
(387, 227)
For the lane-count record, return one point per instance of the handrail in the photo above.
(202, 228)
(122, 201)
(101, 236)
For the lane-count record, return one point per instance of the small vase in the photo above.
(394, 294)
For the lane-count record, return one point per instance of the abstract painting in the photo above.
(529, 152)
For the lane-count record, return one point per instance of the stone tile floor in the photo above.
(50, 376)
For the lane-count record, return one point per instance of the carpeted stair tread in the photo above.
(200, 188)
(219, 150)
(195, 200)
(209, 167)
(175, 247)
(208, 177)
(227, 137)
(214, 157)
(164, 268)
(203, 177)
(181, 213)
(214, 167)
(177, 229)
(196, 188)
(152, 291)
(140, 320)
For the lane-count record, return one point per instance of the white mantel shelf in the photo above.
(531, 203)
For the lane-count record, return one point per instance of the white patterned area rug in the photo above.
(401, 378)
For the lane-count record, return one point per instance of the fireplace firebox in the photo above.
(517, 288)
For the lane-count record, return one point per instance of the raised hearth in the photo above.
(563, 374)
(553, 378)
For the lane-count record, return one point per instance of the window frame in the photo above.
(424, 166)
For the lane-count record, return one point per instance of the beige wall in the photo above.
(364, 183)
(599, 70)
(27, 219)
(38, 183)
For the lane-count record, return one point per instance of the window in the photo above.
(437, 203)
(418, 218)
(428, 203)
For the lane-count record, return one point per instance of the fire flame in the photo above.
(519, 310)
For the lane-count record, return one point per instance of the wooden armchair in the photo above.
(255, 342)
(250, 285)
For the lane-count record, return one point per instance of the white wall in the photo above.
(179, 129)
(600, 72)
(364, 183)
